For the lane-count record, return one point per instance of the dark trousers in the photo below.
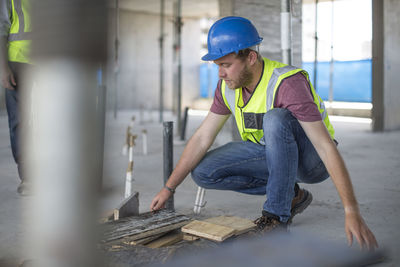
(13, 110)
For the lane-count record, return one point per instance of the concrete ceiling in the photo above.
(190, 8)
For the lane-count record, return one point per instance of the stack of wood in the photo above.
(165, 228)
(145, 228)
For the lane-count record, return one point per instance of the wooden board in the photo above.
(166, 240)
(128, 207)
(145, 225)
(208, 230)
(241, 225)
(141, 241)
(107, 216)
(189, 237)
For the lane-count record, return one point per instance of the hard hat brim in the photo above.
(211, 57)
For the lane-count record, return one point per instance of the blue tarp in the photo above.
(352, 80)
(208, 79)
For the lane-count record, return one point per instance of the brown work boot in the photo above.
(300, 201)
(269, 222)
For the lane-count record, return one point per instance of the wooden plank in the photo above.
(208, 230)
(189, 237)
(147, 224)
(142, 241)
(166, 240)
(128, 207)
(241, 225)
(107, 216)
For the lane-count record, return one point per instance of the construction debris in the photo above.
(144, 225)
(166, 240)
(128, 207)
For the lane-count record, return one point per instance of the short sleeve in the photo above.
(5, 21)
(218, 106)
(295, 95)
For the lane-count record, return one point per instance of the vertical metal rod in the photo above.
(101, 112)
(178, 60)
(185, 118)
(144, 140)
(161, 41)
(316, 46)
(168, 157)
(331, 64)
(286, 32)
(116, 59)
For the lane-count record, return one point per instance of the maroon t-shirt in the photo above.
(294, 94)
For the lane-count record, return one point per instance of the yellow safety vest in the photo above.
(19, 38)
(249, 117)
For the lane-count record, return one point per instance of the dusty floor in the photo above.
(373, 160)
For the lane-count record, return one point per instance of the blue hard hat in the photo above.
(230, 34)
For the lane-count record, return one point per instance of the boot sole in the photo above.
(300, 207)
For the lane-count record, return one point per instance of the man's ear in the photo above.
(253, 56)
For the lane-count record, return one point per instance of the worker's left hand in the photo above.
(355, 226)
(7, 78)
(160, 199)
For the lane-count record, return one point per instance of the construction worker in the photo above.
(286, 135)
(15, 42)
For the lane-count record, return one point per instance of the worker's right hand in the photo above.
(7, 78)
(160, 199)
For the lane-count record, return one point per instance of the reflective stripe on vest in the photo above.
(251, 122)
(19, 36)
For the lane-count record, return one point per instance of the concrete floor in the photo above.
(373, 160)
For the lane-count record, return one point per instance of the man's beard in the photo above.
(245, 78)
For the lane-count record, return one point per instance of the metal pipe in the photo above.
(144, 138)
(286, 32)
(331, 63)
(168, 157)
(185, 118)
(178, 60)
(161, 41)
(198, 204)
(65, 131)
(316, 46)
(116, 59)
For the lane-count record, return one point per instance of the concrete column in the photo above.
(386, 65)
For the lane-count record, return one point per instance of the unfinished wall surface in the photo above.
(386, 65)
(138, 83)
(265, 15)
(391, 64)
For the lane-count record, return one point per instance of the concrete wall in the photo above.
(386, 65)
(265, 15)
(139, 60)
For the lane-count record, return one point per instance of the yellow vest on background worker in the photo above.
(249, 117)
(19, 38)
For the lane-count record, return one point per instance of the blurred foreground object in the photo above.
(64, 144)
(278, 249)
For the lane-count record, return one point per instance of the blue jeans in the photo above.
(12, 104)
(288, 157)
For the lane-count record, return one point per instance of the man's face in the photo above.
(234, 71)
